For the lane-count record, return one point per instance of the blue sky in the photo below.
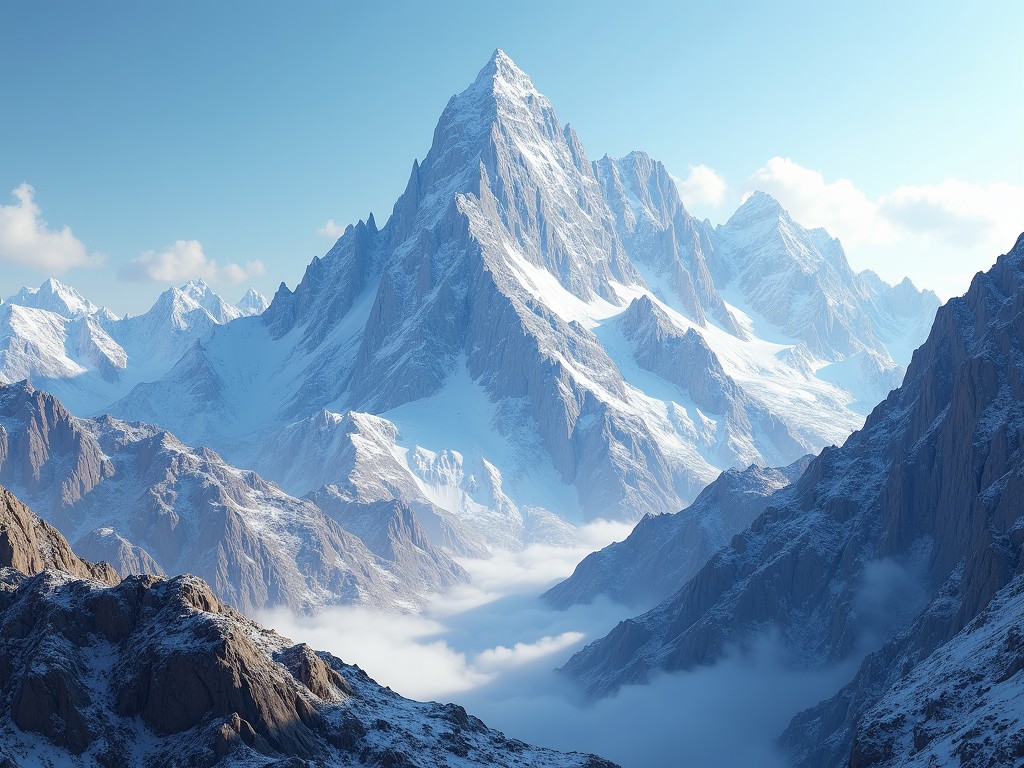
(246, 126)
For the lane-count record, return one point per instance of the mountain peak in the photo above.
(502, 77)
(253, 302)
(763, 203)
(196, 287)
(55, 296)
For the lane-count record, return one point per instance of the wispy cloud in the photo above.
(493, 646)
(938, 234)
(704, 187)
(26, 238)
(185, 260)
(331, 230)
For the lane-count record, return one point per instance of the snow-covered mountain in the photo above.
(54, 296)
(88, 356)
(252, 303)
(565, 323)
(146, 671)
(962, 705)
(134, 495)
(902, 538)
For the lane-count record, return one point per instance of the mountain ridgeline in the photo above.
(603, 342)
(907, 539)
(95, 670)
(531, 342)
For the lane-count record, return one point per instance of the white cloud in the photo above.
(966, 214)
(331, 230)
(25, 238)
(704, 187)
(938, 235)
(523, 653)
(185, 261)
(496, 655)
(474, 636)
(839, 206)
(395, 649)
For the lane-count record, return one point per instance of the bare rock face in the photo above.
(961, 704)
(128, 559)
(919, 512)
(31, 545)
(147, 503)
(35, 427)
(148, 671)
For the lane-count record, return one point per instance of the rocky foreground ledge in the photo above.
(95, 670)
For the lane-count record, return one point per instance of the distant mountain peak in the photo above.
(55, 296)
(253, 303)
(760, 205)
(196, 287)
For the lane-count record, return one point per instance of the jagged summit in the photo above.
(502, 73)
(55, 296)
(502, 274)
(253, 302)
(759, 206)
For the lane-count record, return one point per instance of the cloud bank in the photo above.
(26, 238)
(493, 647)
(183, 261)
(703, 187)
(939, 235)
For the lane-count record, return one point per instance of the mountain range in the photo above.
(88, 356)
(531, 342)
(134, 495)
(580, 342)
(905, 542)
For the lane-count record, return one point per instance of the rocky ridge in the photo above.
(663, 552)
(133, 494)
(914, 522)
(154, 672)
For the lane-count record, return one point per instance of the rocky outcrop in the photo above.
(31, 545)
(44, 450)
(914, 523)
(663, 552)
(148, 671)
(961, 704)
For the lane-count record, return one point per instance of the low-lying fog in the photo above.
(493, 646)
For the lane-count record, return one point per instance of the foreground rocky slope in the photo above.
(962, 705)
(136, 496)
(904, 534)
(153, 672)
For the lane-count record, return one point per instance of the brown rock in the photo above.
(31, 545)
